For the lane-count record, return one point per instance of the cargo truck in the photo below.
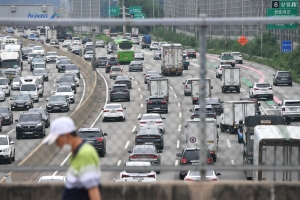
(171, 59)
(159, 87)
(246, 134)
(43, 31)
(227, 58)
(231, 80)
(146, 41)
(51, 35)
(195, 90)
(276, 145)
(135, 32)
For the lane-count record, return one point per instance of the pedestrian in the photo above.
(83, 175)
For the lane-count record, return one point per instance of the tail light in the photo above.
(119, 110)
(143, 122)
(126, 91)
(125, 176)
(278, 77)
(99, 139)
(255, 88)
(209, 160)
(283, 109)
(194, 98)
(110, 71)
(163, 101)
(214, 179)
(189, 179)
(159, 122)
(183, 160)
(149, 102)
(220, 68)
(153, 156)
(195, 53)
(139, 137)
(118, 56)
(194, 116)
(118, 64)
(212, 152)
(133, 156)
(151, 176)
(157, 136)
(270, 89)
(186, 87)
(106, 111)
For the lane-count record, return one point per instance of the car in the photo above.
(135, 40)
(150, 136)
(152, 119)
(191, 156)
(152, 77)
(157, 104)
(20, 29)
(88, 55)
(101, 61)
(149, 73)
(21, 101)
(145, 153)
(66, 43)
(73, 68)
(227, 58)
(8, 151)
(160, 44)
(154, 46)
(187, 86)
(194, 175)
(86, 39)
(75, 44)
(67, 91)
(157, 55)
(61, 58)
(39, 50)
(51, 56)
(140, 175)
(135, 66)
(139, 55)
(30, 46)
(33, 28)
(113, 111)
(282, 77)
(15, 83)
(37, 59)
(10, 30)
(210, 112)
(7, 115)
(216, 103)
(75, 77)
(24, 35)
(100, 43)
(67, 80)
(127, 36)
(76, 38)
(261, 89)
(220, 68)
(290, 109)
(109, 49)
(119, 92)
(237, 57)
(62, 64)
(2, 95)
(95, 137)
(52, 179)
(191, 53)
(30, 124)
(88, 48)
(45, 115)
(37, 65)
(41, 72)
(112, 61)
(40, 40)
(115, 71)
(4, 85)
(31, 56)
(25, 53)
(57, 103)
(124, 80)
(76, 50)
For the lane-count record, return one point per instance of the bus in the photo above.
(125, 50)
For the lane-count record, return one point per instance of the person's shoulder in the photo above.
(87, 149)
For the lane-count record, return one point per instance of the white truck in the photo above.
(51, 35)
(195, 90)
(11, 64)
(135, 31)
(276, 145)
(231, 80)
(171, 59)
(159, 87)
(212, 136)
(234, 112)
(227, 58)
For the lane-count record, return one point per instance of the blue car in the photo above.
(31, 37)
(240, 134)
(10, 30)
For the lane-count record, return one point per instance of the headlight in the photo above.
(6, 117)
(65, 104)
(39, 124)
(19, 125)
(6, 87)
(73, 83)
(29, 102)
(5, 150)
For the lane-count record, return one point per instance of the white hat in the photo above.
(60, 126)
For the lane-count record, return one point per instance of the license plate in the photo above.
(284, 79)
(113, 111)
(151, 123)
(119, 92)
(263, 89)
(140, 178)
(156, 108)
(56, 107)
(148, 142)
(20, 105)
(293, 109)
(195, 163)
(28, 133)
(174, 69)
(126, 57)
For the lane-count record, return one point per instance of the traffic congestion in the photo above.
(151, 112)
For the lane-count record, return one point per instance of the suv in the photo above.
(237, 57)
(95, 137)
(210, 112)
(124, 80)
(20, 29)
(290, 108)
(216, 103)
(282, 77)
(262, 89)
(115, 71)
(110, 62)
(67, 80)
(190, 156)
(72, 68)
(30, 124)
(119, 91)
(227, 58)
(4, 85)
(7, 147)
(187, 89)
(86, 39)
(157, 104)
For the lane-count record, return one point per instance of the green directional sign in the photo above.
(114, 11)
(135, 9)
(139, 15)
(282, 12)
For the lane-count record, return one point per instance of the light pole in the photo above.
(94, 44)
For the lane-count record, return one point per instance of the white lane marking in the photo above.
(190, 75)
(51, 91)
(127, 143)
(119, 163)
(232, 162)
(178, 104)
(50, 70)
(106, 99)
(147, 67)
(228, 143)
(171, 88)
(175, 95)
(212, 60)
(176, 162)
(54, 80)
(139, 89)
(128, 72)
(179, 127)
(82, 93)
(180, 115)
(132, 77)
(63, 162)
(41, 106)
(178, 144)
(133, 129)
(141, 96)
(53, 85)
(141, 105)
(10, 131)
(139, 115)
(136, 82)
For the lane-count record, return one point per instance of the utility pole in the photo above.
(123, 12)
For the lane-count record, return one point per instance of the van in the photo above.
(37, 81)
(20, 29)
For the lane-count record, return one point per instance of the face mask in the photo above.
(67, 148)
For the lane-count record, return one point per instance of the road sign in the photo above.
(135, 9)
(285, 4)
(114, 11)
(282, 12)
(139, 15)
(131, 15)
(193, 139)
(286, 46)
(243, 40)
(275, 4)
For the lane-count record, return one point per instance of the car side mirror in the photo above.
(218, 174)
(146, 100)
(129, 151)
(279, 104)
(10, 99)
(163, 118)
(47, 99)
(105, 134)
(218, 126)
(159, 151)
(144, 74)
(216, 67)
(273, 74)
(288, 123)
(219, 56)
(259, 104)
(241, 122)
(135, 132)
(178, 154)
(190, 110)
(109, 88)
(124, 108)
(139, 118)
(183, 83)
(56, 81)
(211, 87)
(12, 142)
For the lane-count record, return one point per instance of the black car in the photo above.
(25, 53)
(67, 80)
(101, 61)
(191, 53)
(73, 68)
(210, 112)
(216, 103)
(283, 77)
(157, 104)
(24, 35)
(151, 136)
(119, 91)
(21, 102)
(95, 137)
(33, 28)
(57, 103)
(135, 66)
(40, 40)
(41, 72)
(45, 115)
(190, 156)
(30, 125)
(7, 115)
(124, 80)
(76, 51)
(86, 49)
(61, 65)
(86, 39)
(111, 62)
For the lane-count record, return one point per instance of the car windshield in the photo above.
(28, 87)
(292, 103)
(21, 97)
(3, 81)
(112, 106)
(125, 46)
(40, 71)
(227, 57)
(102, 58)
(151, 117)
(144, 149)
(89, 134)
(3, 141)
(51, 54)
(72, 67)
(3, 110)
(119, 88)
(30, 118)
(40, 110)
(37, 48)
(17, 79)
(65, 79)
(39, 66)
(32, 55)
(264, 85)
(152, 72)
(57, 98)
(64, 89)
(65, 61)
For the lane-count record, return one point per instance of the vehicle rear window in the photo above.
(292, 103)
(157, 98)
(191, 155)
(143, 149)
(115, 69)
(125, 46)
(112, 106)
(226, 67)
(151, 117)
(284, 74)
(122, 82)
(119, 88)
(149, 131)
(262, 85)
(89, 134)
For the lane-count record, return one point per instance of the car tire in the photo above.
(238, 90)
(217, 76)
(111, 100)
(128, 99)
(240, 140)
(185, 94)
(166, 111)
(181, 177)
(271, 97)
(241, 62)
(104, 119)
(123, 119)
(274, 83)
(102, 154)
(291, 84)
(14, 157)
(222, 128)
(9, 160)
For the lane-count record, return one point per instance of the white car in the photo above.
(238, 57)
(151, 120)
(88, 55)
(66, 43)
(135, 174)
(15, 83)
(2, 95)
(115, 71)
(262, 89)
(30, 46)
(51, 56)
(193, 175)
(39, 50)
(139, 55)
(290, 109)
(7, 149)
(160, 44)
(52, 179)
(154, 46)
(4, 86)
(114, 111)
(75, 44)
(67, 91)
(135, 40)
(220, 68)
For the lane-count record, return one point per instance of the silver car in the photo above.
(192, 175)
(188, 86)
(139, 55)
(15, 83)
(100, 43)
(135, 40)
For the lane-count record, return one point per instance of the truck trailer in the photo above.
(171, 59)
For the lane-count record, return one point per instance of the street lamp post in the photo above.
(94, 44)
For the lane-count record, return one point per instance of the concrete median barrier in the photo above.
(42, 154)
